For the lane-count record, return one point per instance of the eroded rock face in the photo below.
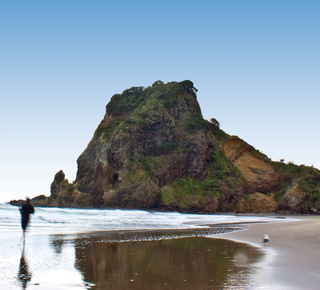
(154, 150)
(64, 194)
(293, 197)
(257, 203)
(144, 150)
(257, 170)
(56, 185)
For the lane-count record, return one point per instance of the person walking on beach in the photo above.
(25, 211)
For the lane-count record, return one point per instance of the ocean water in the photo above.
(69, 221)
(59, 252)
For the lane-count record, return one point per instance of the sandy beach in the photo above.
(60, 254)
(292, 258)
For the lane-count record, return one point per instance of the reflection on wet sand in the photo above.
(24, 275)
(151, 263)
(57, 245)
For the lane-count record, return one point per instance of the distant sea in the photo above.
(70, 221)
(83, 249)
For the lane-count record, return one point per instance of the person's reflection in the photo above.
(24, 275)
(57, 245)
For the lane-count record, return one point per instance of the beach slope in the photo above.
(292, 258)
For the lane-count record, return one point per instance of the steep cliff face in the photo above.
(147, 139)
(154, 150)
(256, 168)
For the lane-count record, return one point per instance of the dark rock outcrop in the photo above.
(154, 150)
(63, 194)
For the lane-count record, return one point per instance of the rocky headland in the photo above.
(153, 150)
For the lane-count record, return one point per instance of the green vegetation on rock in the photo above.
(154, 150)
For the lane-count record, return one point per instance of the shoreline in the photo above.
(292, 259)
(71, 255)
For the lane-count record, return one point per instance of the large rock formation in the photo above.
(154, 150)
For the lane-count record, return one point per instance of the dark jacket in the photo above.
(27, 209)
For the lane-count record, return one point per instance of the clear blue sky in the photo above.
(256, 65)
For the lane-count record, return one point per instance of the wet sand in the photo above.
(184, 263)
(160, 260)
(292, 261)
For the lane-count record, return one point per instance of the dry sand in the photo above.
(293, 256)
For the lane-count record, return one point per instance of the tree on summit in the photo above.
(215, 122)
(188, 85)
